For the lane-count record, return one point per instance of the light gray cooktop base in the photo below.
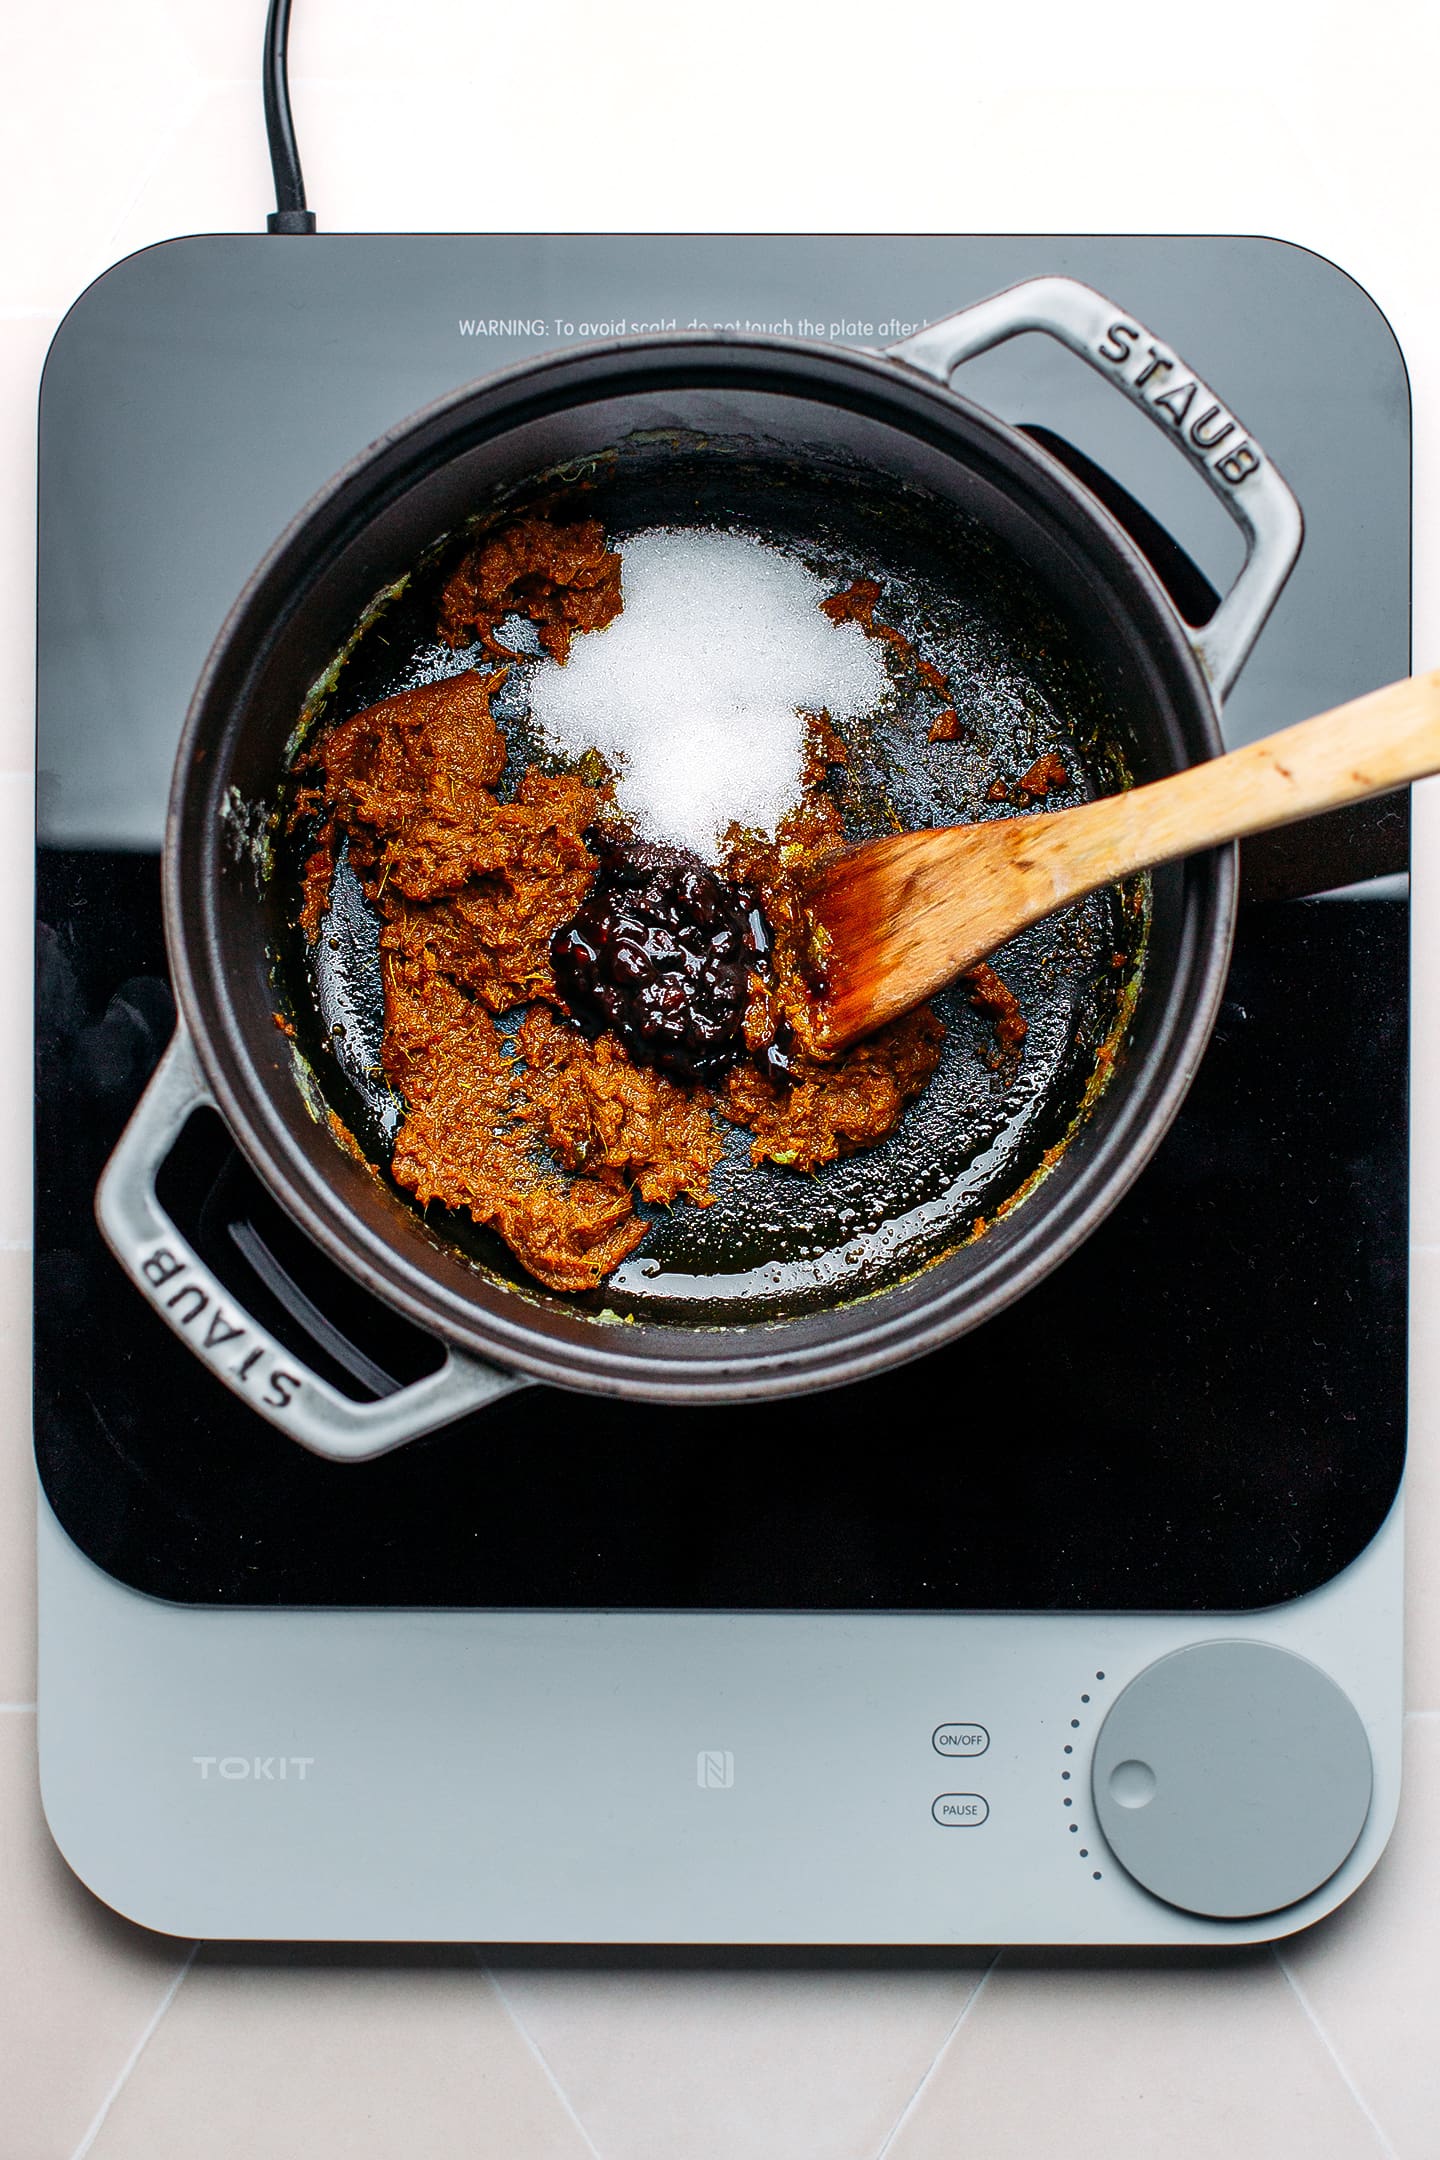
(639, 1777)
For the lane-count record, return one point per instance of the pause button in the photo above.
(960, 1810)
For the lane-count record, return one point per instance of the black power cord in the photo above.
(290, 214)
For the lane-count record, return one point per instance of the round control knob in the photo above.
(1232, 1778)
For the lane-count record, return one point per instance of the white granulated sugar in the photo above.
(694, 695)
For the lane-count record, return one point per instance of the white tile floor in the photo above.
(820, 2062)
(128, 120)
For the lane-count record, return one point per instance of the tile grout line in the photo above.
(134, 2056)
(536, 2051)
(965, 2008)
(1329, 2046)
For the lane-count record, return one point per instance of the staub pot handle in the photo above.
(1154, 377)
(190, 1299)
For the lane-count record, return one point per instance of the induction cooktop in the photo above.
(1085, 1628)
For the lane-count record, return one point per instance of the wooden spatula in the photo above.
(897, 918)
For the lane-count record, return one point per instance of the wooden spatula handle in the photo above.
(1365, 748)
(895, 919)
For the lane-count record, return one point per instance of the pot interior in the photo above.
(777, 1242)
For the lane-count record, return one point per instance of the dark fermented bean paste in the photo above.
(661, 953)
(657, 994)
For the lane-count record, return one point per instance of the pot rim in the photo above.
(744, 1360)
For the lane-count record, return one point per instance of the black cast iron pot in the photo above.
(889, 419)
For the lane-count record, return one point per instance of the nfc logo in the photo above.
(715, 1767)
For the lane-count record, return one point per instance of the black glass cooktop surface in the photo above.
(1204, 1407)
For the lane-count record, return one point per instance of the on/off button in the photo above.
(960, 1740)
(960, 1810)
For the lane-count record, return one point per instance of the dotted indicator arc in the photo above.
(1066, 1776)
